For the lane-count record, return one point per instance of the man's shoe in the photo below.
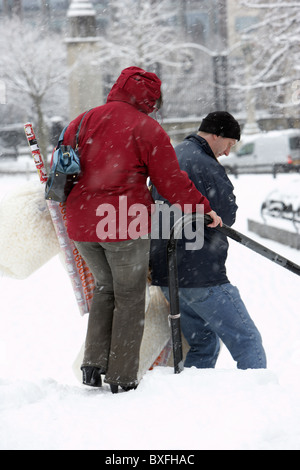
(114, 388)
(91, 376)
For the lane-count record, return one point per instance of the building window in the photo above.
(244, 22)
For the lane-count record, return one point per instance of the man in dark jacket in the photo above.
(211, 308)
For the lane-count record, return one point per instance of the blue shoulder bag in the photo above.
(64, 170)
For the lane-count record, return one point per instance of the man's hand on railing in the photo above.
(216, 220)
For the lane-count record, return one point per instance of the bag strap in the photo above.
(61, 137)
(79, 127)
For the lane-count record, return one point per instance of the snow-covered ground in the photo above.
(43, 406)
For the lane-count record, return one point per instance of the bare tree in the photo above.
(149, 34)
(32, 66)
(274, 51)
(140, 32)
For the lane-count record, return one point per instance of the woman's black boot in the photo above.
(91, 376)
(114, 388)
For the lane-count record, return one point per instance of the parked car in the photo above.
(260, 152)
(7, 153)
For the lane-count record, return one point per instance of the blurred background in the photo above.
(59, 58)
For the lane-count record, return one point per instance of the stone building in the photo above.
(85, 84)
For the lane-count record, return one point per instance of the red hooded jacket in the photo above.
(120, 147)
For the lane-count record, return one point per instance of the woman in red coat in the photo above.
(109, 218)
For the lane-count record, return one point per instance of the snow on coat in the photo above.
(120, 147)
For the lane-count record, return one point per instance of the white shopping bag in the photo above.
(27, 236)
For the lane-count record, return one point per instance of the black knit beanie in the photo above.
(221, 123)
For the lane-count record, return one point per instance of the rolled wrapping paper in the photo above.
(27, 236)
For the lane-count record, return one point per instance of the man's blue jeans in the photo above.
(210, 313)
